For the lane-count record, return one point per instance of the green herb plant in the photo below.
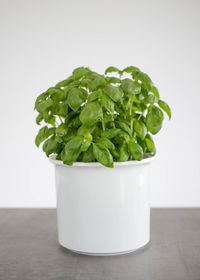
(100, 118)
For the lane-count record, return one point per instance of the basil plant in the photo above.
(100, 118)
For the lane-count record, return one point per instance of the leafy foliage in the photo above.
(91, 117)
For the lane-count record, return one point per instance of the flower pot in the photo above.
(103, 211)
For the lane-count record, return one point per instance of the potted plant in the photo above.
(96, 122)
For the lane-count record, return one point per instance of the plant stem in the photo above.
(141, 115)
(103, 126)
(131, 125)
(130, 102)
(113, 121)
(130, 110)
(130, 113)
(60, 119)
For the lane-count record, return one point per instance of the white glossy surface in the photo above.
(102, 210)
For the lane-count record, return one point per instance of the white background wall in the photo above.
(42, 41)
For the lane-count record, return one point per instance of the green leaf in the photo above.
(106, 142)
(112, 69)
(88, 155)
(161, 114)
(71, 132)
(123, 153)
(155, 91)
(66, 82)
(75, 98)
(74, 84)
(125, 83)
(61, 109)
(61, 130)
(134, 88)
(153, 120)
(43, 134)
(163, 105)
(138, 108)
(72, 150)
(140, 128)
(87, 138)
(142, 143)
(71, 115)
(135, 150)
(102, 155)
(130, 69)
(124, 127)
(43, 105)
(110, 133)
(122, 137)
(80, 72)
(75, 122)
(50, 119)
(91, 113)
(115, 154)
(50, 146)
(97, 82)
(144, 78)
(84, 130)
(86, 144)
(115, 93)
(39, 119)
(150, 99)
(130, 87)
(85, 82)
(58, 157)
(42, 96)
(107, 117)
(107, 103)
(113, 80)
(94, 95)
(58, 139)
(58, 95)
(150, 143)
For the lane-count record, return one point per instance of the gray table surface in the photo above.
(29, 249)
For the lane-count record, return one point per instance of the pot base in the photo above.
(108, 254)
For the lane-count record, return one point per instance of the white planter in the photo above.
(103, 211)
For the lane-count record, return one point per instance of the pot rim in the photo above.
(97, 164)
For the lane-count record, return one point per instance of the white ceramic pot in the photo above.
(103, 211)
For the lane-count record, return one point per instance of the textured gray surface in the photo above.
(29, 250)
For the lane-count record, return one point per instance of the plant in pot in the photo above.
(96, 122)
